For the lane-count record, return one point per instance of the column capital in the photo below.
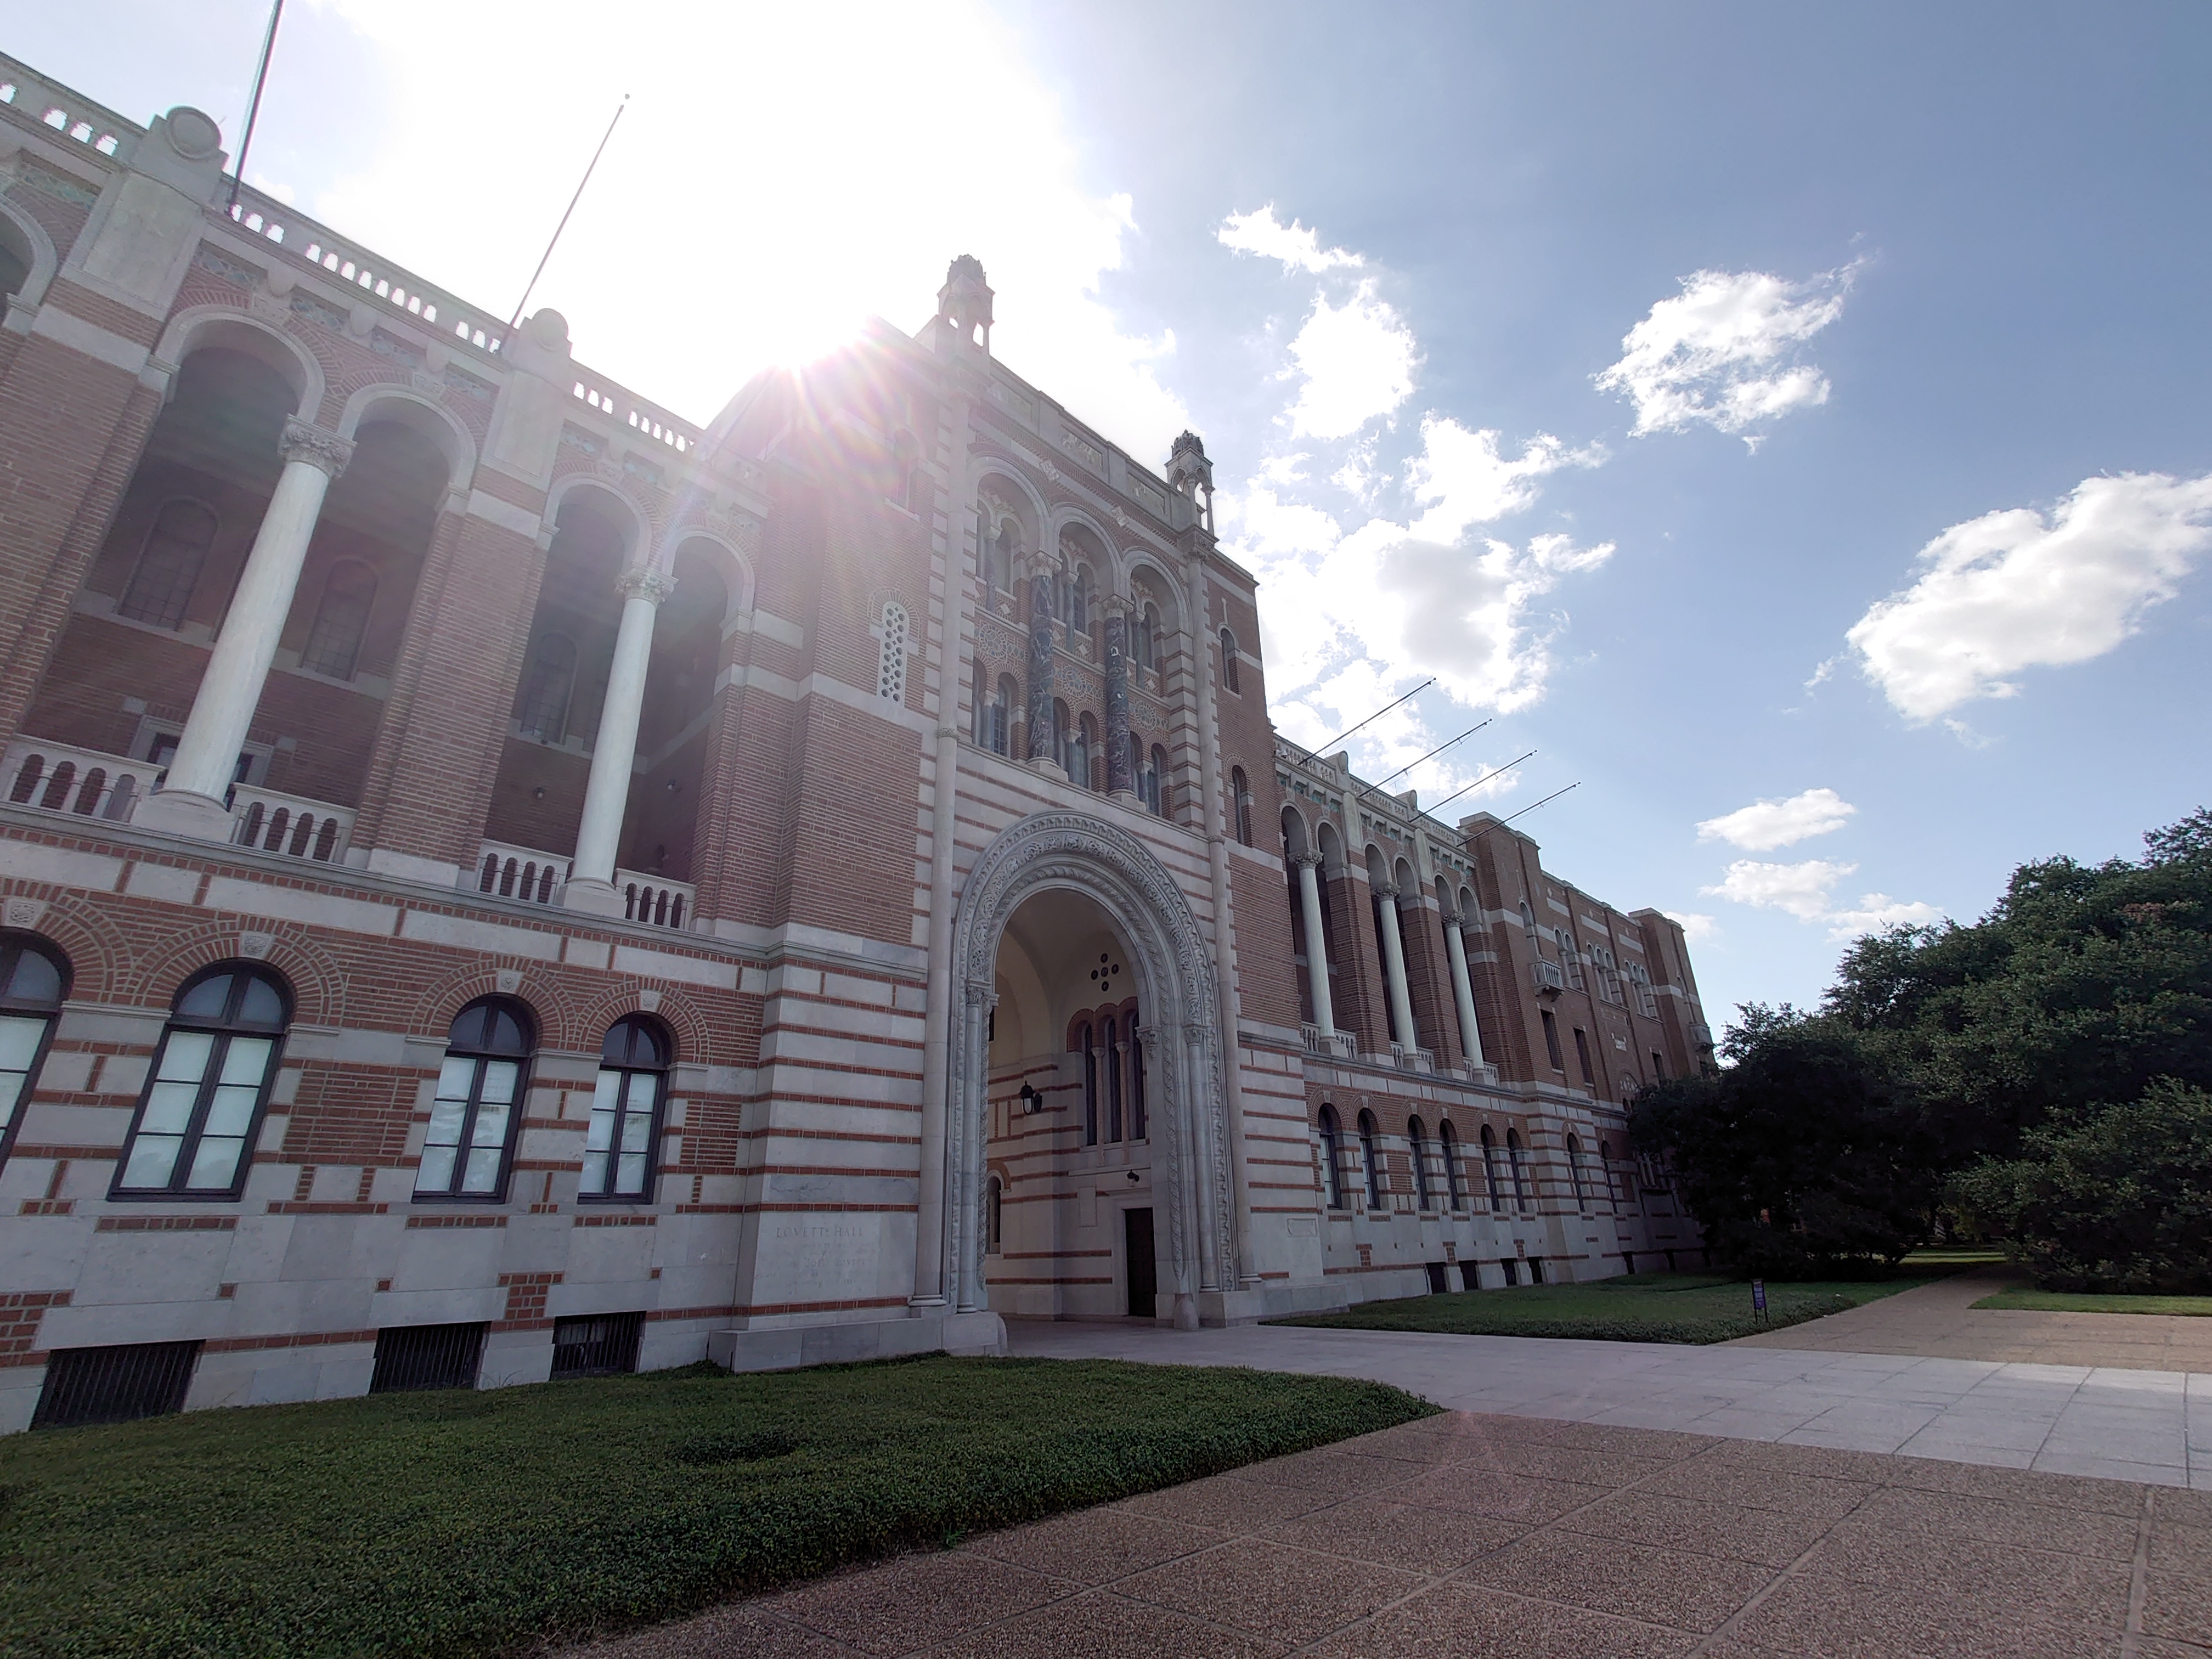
(1114, 605)
(304, 442)
(640, 583)
(1307, 860)
(1385, 890)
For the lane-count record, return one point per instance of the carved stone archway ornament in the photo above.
(1074, 851)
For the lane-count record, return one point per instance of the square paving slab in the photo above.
(1471, 1535)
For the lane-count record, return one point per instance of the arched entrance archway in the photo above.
(1073, 853)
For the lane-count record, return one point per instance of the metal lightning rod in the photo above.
(1366, 789)
(1374, 717)
(1523, 813)
(1479, 782)
(254, 109)
(563, 225)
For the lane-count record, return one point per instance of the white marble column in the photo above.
(1470, 1034)
(1324, 1011)
(606, 795)
(190, 800)
(1394, 970)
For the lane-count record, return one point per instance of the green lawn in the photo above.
(461, 1524)
(2068, 1301)
(1631, 1308)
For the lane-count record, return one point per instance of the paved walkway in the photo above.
(1466, 1536)
(1940, 1320)
(2119, 1423)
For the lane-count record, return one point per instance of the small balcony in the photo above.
(1549, 977)
(654, 901)
(1337, 1045)
(83, 781)
(1412, 1060)
(538, 877)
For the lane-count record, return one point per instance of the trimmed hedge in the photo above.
(463, 1523)
(1692, 1308)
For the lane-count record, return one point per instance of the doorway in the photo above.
(1144, 1274)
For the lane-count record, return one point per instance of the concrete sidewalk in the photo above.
(1940, 1321)
(1463, 1537)
(2150, 1426)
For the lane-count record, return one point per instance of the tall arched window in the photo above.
(169, 563)
(1086, 1044)
(1370, 1159)
(1448, 1139)
(1063, 738)
(548, 682)
(1109, 1032)
(333, 646)
(979, 697)
(1574, 1171)
(1138, 1130)
(1490, 1186)
(1156, 797)
(1240, 804)
(477, 1107)
(1332, 1160)
(1002, 715)
(1079, 601)
(994, 1198)
(890, 661)
(34, 978)
(1229, 661)
(209, 1081)
(623, 1142)
(1086, 744)
(1520, 1175)
(1148, 633)
(1417, 1143)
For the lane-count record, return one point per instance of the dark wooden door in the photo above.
(1143, 1279)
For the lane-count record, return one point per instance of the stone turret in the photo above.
(964, 301)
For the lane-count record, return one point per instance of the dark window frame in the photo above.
(658, 1116)
(484, 1057)
(15, 943)
(1332, 1152)
(1369, 1155)
(1448, 1139)
(223, 1031)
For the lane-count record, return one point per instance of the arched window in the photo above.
(1490, 1170)
(1416, 1144)
(994, 1215)
(34, 978)
(1574, 1171)
(998, 557)
(622, 1144)
(1002, 715)
(1158, 771)
(890, 662)
(1062, 738)
(1520, 1177)
(473, 1118)
(209, 1081)
(1448, 1139)
(1148, 633)
(1086, 1044)
(1136, 1076)
(169, 563)
(333, 646)
(1240, 804)
(1087, 744)
(1109, 1032)
(1332, 1160)
(1229, 661)
(549, 681)
(979, 697)
(1368, 1158)
(1528, 920)
(1079, 601)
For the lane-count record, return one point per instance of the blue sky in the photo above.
(1742, 405)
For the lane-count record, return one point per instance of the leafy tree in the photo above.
(1800, 1157)
(2121, 1201)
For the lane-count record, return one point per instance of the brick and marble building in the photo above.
(501, 882)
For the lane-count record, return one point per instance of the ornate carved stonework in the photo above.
(1176, 986)
(304, 442)
(651, 585)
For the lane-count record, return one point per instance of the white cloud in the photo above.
(775, 263)
(1358, 361)
(1767, 824)
(1459, 478)
(1697, 926)
(2011, 590)
(1721, 351)
(1803, 891)
(1297, 247)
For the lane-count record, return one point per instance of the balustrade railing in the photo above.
(62, 779)
(654, 901)
(1340, 1045)
(520, 872)
(291, 824)
(69, 113)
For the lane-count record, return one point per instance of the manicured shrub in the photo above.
(2121, 1201)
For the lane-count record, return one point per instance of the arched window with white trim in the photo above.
(890, 663)
(202, 1106)
(34, 978)
(1229, 663)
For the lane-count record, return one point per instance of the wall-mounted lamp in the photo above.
(1032, 1100)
